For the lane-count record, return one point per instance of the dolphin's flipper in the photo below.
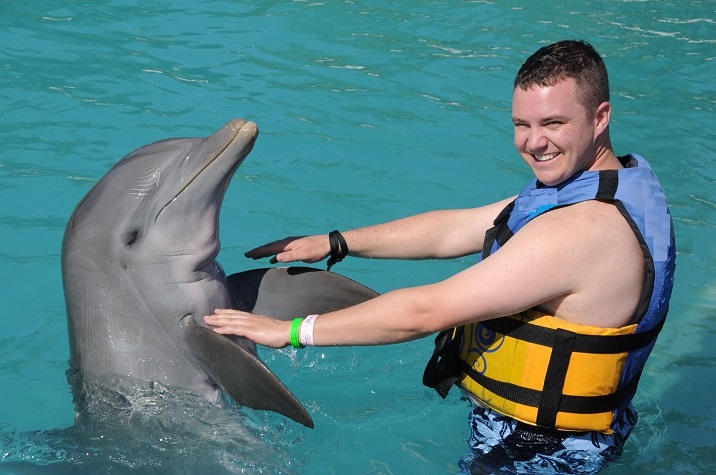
(290, 292)
(242, 374)
(283, 293)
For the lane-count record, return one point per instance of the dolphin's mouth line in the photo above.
(196, 175)
(199, 171)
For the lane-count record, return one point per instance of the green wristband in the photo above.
(293, 335)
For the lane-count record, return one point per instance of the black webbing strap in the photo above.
(499, 232)
(608, 183)
(551, 400)
(568, 403)
(649, 271)
(598, 344)
(443, 368)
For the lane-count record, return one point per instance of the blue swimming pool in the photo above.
(368, 111)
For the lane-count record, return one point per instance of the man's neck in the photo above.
(605, 158)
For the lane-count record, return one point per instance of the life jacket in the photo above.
(543, 370)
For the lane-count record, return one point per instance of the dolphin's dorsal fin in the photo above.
(242, 374)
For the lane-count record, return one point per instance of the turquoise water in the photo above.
(368, 111)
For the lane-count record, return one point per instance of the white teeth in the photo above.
(544, 158)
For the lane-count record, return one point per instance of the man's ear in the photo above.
(601, 117)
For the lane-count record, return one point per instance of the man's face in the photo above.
(554, 132)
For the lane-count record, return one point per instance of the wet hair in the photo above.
(567, 59)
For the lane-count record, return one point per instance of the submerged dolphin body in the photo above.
(139, 271)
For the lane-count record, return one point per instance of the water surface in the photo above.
(368, 111)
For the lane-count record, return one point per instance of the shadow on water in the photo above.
(148, 428)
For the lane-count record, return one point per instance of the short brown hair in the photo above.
(567, 59)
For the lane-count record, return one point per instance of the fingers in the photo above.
(272, 248)
(226, 316)
(230, 311)
(224, 319)
(262, 330)
(308, 249)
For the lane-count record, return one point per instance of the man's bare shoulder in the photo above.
(573, 229)
(587, 216)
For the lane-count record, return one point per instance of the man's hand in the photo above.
(258, 328)
(308, 249)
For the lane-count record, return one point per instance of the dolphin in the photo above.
(139, 271)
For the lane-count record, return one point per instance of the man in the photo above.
(547, 334)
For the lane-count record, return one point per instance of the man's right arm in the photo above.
(432, 235)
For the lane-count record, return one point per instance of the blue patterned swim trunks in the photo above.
(502, 445)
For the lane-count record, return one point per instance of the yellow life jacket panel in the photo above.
(543, 370)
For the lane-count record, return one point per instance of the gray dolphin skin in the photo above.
(139, 272)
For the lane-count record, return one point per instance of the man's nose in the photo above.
(536, 140)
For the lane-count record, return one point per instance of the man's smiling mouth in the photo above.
(546, 157)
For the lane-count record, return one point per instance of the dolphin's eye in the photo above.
(131, 238)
